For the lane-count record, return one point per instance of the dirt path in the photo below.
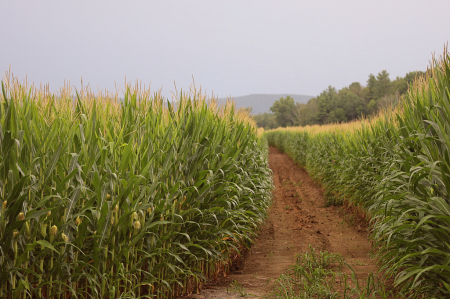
(296, 220)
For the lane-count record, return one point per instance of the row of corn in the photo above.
(397, 168)
(104, 197)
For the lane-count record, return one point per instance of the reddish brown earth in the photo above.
(297, 219)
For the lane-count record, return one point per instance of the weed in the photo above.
(236, 287)
(359, 263)
(321, 275)
(350, 219)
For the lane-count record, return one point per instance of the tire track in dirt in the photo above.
(297, 219)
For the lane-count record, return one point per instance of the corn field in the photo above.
(397, 169)
(123, 198)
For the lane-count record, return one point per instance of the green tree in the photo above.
(284, 111)
(307, 113)
(344, 105)
(372, 85)
(360, 91)
(409, 78)
(327, 103)
(372, 107)
(400, 85)
(266, 120)
(352, 105)
(337, 116)
(383, 85)
(355, 87)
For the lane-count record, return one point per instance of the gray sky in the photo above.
(230, 47)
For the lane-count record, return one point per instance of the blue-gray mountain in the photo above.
(261, 103)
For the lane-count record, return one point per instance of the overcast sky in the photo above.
(230, 47)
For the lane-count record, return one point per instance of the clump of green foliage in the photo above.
(398, 168)
(337, 106)
(102, 198)
(325, 275)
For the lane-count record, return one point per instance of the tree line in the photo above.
(336, 106)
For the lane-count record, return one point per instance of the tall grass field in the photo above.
(109, 198)
(396, 168)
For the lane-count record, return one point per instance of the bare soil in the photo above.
(298, 218)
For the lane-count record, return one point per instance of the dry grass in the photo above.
(343, 127)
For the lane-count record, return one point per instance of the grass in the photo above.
(325, 275)
(132, 198)
(395, 169)
(236, 288)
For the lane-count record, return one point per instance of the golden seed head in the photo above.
(135, 215)
(149, 210)
(116, 208)
(108, 196)
(78, 221)
(65, 238)
(137, 225)
(49, 213)
(15, 234)
(112, 220)
(4, 205)
(21, 216)
(53, 230)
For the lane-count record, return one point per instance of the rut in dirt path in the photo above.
(297, 219)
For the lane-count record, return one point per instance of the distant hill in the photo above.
(261, 103)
